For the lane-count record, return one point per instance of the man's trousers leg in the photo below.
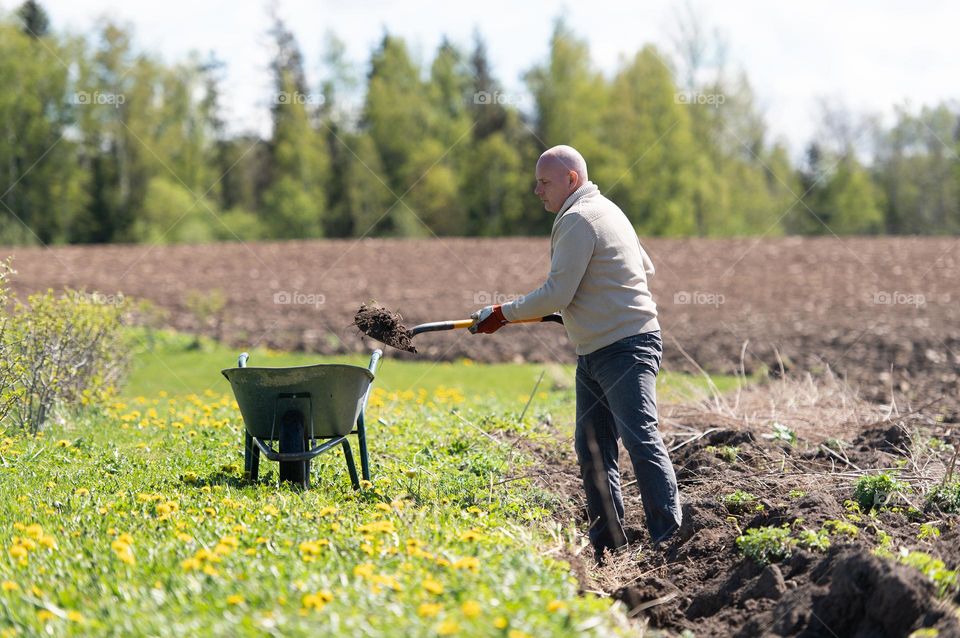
(627, 373)
(595, 442)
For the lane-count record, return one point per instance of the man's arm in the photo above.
(571, 255)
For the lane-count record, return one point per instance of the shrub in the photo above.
(58, 350)
(876, 490)
(766, 544)
(8, 363)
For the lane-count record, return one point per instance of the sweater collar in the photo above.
(588, 188)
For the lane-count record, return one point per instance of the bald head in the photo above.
(560, 171)
(569, 159)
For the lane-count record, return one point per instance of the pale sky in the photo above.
(867, 55)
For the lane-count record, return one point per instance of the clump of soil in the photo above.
(384, 326)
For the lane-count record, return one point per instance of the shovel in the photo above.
(385, 326)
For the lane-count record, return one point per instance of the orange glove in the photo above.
(488, 320)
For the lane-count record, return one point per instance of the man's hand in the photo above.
(487, 320)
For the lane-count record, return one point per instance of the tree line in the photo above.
(103, 143)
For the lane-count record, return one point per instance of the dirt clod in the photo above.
(383, 325)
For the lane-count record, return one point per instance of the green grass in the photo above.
(173, 366)
(134, 519)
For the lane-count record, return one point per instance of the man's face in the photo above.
(554, 183)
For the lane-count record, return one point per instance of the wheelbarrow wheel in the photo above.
(293, 439)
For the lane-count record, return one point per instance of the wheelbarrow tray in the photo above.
(335, 391)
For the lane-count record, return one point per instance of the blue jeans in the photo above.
(616, 399)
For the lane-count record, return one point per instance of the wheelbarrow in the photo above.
(307, 410)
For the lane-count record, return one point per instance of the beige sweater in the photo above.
(598, 275)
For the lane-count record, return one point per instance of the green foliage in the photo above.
(814, 540)
(928, 530)
(58, 350)
(841, 528)
(726, 452)
(795, 494)
(782, 433)
(135, 148)
(739, 502)
(766, 544)
(885, 544)
(945, 496)
(944, 579)
(876, 490)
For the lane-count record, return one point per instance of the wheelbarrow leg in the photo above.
(251, 459)
(362, 444)
(351, 466)
(293, 439)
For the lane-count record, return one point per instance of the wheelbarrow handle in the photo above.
(436, 326)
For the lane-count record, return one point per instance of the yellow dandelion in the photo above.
(312, 601)
(516, 633)
(470, 535)
(9, 585)
(190, 564)
(433, 586)
(81, 491)
(377, 527)
(383, 507)
(34, 531)
(123, 551)
(448, 628)
(235, 599)
(75, 616)
(48, 541)
(45, 615)
(471, 563)
(471, 609)
(366, 485)
(270, 510)
(63, 443)
(364, 570)
(500, 622)
(18, 551)
(328, 510)
(556, 605)
(429, 610)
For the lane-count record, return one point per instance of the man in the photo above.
(598, 280)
